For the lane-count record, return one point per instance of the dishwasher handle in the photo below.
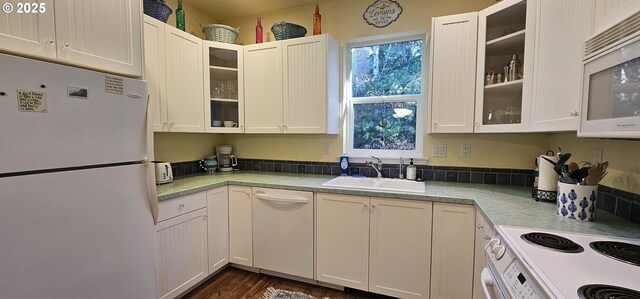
(300, 200)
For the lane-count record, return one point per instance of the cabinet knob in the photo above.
(574, 114)
(365, 205)
(435, 126)
(373, 205)
(181, 206)
(480, 226)
(50, 42)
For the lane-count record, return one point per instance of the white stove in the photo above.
(517, 267)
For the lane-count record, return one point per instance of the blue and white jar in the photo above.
(576, 201)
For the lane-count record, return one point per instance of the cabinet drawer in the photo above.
(181, 205)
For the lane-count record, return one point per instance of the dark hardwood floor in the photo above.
(233, 283)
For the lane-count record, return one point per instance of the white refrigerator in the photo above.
(77, 199)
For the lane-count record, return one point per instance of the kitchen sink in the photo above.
(382, 184)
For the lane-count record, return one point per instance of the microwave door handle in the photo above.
(487, 281)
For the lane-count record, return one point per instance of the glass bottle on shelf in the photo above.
(514, 68)
(317, 20)
(259, 31)
(180, 23)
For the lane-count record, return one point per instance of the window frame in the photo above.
(420, 99)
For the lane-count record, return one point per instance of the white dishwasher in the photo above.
(283, 231)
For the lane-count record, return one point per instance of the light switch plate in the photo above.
(465, 151)
(439, 150)
(327, 149)
(597, 155)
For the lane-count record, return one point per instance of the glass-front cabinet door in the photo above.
(223, 88)
(503, 86)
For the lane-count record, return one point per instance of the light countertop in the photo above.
(501, 205)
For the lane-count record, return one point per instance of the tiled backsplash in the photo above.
(623, 204)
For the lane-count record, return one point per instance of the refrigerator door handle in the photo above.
(151, 188)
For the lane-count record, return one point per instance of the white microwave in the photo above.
(611, 83)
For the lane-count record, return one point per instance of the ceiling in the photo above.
(222, 10)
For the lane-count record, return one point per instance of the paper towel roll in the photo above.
(548, 180)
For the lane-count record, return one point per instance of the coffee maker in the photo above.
(226, 161)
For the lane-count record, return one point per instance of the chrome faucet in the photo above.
(401, 176)
(376, 166)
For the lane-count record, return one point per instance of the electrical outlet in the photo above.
(439, 150)
(597, 155)
(327, 149)
(465, 151)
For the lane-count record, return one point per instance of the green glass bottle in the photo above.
(180, 16)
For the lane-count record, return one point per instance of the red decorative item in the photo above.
(259, 31)
(317, 21)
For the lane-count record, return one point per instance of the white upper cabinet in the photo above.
(31, 33)
(505, 29)
(154, 71)
(173, 69)
(263, 88)
(223, 87)
(310, 86)
(562, 27)
(184, 81)
(104, 35)
(453, 80)
(291, 86)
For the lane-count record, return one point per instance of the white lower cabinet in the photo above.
(484, 232)
(181, 244)
(218, 228)
(240, 230)
(374, 244)
(452, 251)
